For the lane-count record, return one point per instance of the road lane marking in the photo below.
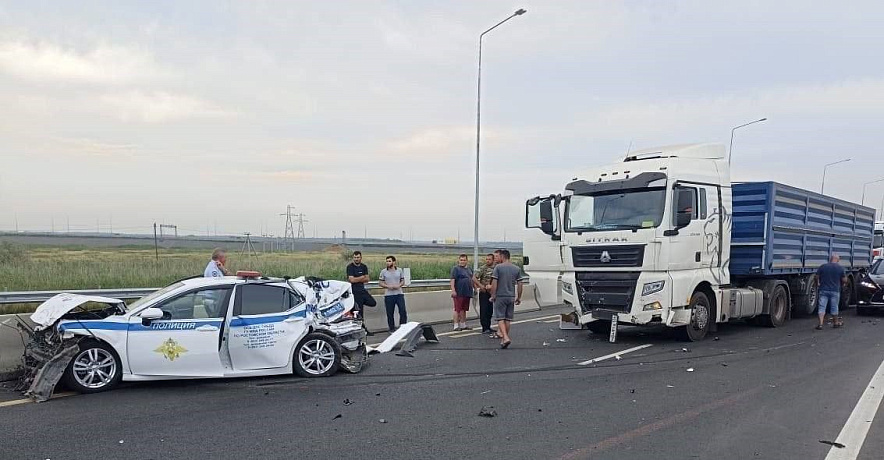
(614, 355)
(854, 433)
(16, 402)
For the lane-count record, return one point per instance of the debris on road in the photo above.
(337, 417)
(347, 402)
(833, 443)
(716, 339)
(488, 411)
(723, 364)
(685, 350)
(545, 344)
(561, 340)
(486, 392)
(669, 386)
(383, 420)
(690, 369)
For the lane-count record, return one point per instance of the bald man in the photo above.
(831, 278)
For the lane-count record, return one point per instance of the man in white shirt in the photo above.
(216, 268)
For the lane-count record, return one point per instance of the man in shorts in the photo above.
(357, 275)
(831, 278)
(506, 293)
(461, 291)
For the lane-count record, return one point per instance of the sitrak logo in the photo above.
(607, 240)
(605, 258)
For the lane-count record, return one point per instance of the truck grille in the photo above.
(606, 291)
(608, 256)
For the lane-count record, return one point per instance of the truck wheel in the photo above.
(779, 305)
(809, 298)
(599, 326)
(701, 318)
(318, 355)
(848, 295)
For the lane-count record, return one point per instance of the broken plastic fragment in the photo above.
(347, 402)
(690, 369)
(383, 420)
(669, 386)
(488, 411)
(337, 417)
(833, 443)
(561, 340)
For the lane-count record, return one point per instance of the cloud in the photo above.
(159, 106)
(96, 148)
(104, 64)
(439, 143)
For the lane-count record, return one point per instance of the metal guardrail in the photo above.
(136, 293)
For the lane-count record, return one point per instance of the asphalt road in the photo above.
(755, 393)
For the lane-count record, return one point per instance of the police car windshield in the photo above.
(148, 298)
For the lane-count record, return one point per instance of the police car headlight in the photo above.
(567, 287)
(650, 288)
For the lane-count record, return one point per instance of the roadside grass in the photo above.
(71, 268)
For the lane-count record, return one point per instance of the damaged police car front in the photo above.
(240, 326)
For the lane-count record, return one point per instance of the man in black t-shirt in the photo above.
(357, 275)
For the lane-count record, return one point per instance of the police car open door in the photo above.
(266, 324)
(185, 342)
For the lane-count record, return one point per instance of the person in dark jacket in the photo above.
(831, 278)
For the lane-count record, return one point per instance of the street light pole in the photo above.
(731, 148)
(823, 186)
(864, 189)
(518, 12)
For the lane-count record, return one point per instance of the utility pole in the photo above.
(156, 246)
(68, 223)
(52, 220)
(247, 246)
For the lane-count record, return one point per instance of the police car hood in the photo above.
(53, 309)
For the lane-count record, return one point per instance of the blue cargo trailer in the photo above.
(784, 232)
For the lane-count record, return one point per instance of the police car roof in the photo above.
(227, 280)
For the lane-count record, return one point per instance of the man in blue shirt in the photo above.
(831, 278)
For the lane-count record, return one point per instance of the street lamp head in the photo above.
(763, 119)
(521, 11)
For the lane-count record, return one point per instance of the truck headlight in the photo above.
(653, 306)
(650, 288)
(567, 287)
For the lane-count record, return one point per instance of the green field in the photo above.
(24, 268)
(33, 269)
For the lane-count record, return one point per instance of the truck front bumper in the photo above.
(598, 296)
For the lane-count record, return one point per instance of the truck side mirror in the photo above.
(547, 224)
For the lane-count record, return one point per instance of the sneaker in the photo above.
(466, 328)
(457, 328)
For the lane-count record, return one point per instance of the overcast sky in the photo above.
(362, 113)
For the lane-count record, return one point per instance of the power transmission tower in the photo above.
(301, 222)
(289, 227)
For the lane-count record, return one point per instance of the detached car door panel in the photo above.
(185, 343)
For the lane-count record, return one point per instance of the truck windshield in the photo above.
(629, 210)
(879, 240)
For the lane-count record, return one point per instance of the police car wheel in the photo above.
(95, 368)
(318, 355)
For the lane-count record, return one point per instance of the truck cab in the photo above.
(641, 238)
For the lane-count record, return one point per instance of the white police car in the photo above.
(239, 326)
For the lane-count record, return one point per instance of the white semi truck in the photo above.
(664, 237)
